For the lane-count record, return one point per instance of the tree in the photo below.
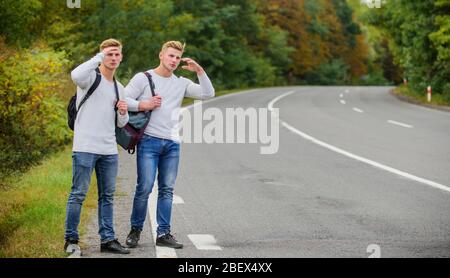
(320, 32)
(17, 18)
(419, 38)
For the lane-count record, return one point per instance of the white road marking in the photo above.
(204, 242)
(165, 252)
(270, 105)
(343, 101)
(354, 156)
(357, 110)
(161, 252)
(341, 95)
(400, 124)
(177, 200)
(409, 176)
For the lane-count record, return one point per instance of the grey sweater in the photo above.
(164, 122)
(94, 130)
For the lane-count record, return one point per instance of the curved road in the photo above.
(358, 173)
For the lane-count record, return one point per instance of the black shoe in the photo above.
(168, 240)
(71, 246)
(113, 246)
(133, 238)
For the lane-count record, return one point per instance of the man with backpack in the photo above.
(94, 143)
(159, 148)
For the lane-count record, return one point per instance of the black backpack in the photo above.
(72, 107)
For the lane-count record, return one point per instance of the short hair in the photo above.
(109, 43)
(174, 44)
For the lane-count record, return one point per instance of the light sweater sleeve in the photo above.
(122, 120)
(133, 91)
(203, 91)
(84, 75)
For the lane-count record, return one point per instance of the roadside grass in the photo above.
(409, 94)
(33, 207)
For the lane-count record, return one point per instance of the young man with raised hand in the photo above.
(159, 148)
(94, 144)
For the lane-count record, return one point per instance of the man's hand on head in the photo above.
(107, 50)
(192, 66)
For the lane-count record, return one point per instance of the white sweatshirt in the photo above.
(94, 130)
(164, 121)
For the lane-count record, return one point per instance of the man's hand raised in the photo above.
(192, 65)
(110, 49)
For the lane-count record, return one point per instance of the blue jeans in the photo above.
(162, 155)
(106, 171)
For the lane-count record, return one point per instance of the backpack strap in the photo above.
(152, 88)
(98, 78)
(116, 89)
(150, 80)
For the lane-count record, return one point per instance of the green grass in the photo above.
(33, 207)
(436, 99)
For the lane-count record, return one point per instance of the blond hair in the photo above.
(110, 42)
(174, 44)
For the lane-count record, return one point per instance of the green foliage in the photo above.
(232, 42)
(446, 93)
(345, 14)
(33, 119)
(319, 33)
(374, 78)
(218, 34)
(333, 73)
(419, 35)
(276, 47)
(16, 18)
(441, 37)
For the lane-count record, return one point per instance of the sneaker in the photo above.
(71, 247)
(113, 246)
(168, 240)
(133, 238)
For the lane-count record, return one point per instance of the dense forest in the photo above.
(240, 43)
(417, 36)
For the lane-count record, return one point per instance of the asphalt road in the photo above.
(358, 173)
(310, 201)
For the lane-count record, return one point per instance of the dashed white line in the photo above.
(354, 156)
(161, 252)
(400, 124)
(204, 242)
(341, 95)
(343, 101)
(177, 200)
(357, 110)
